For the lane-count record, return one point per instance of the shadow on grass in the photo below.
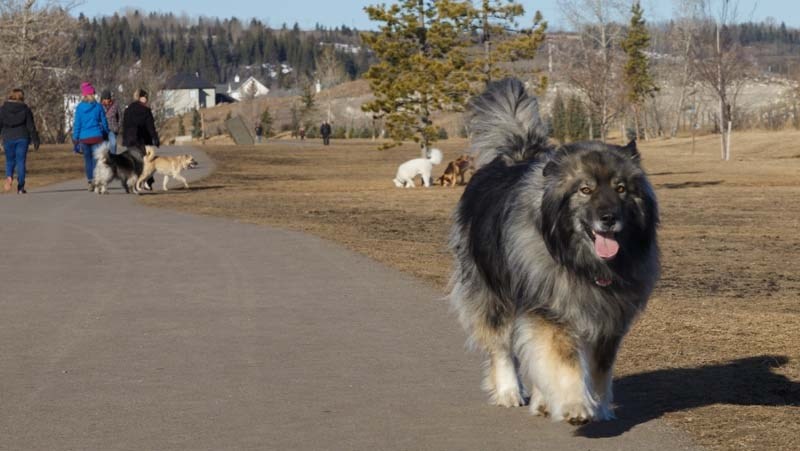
(674, 173)
(647, 396)
(182, 190)
(689, 184)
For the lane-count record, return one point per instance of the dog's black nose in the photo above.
(608, 219)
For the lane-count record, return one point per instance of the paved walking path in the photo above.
(131, 328)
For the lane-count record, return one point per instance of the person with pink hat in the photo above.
(90, 129)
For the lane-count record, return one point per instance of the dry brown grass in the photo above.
(718, 351)
(50, 164)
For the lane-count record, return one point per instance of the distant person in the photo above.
(90, 129)
(302, 133)
(18, 131)
(139, 129)
(259, 132)
(112, 117)
(325, 131)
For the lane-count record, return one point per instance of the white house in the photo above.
(185, 92)
(238, 90)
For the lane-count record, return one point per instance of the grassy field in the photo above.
(718, 351)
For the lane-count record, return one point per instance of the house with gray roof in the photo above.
(186, 92)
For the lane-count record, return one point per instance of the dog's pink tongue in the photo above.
(605, 245)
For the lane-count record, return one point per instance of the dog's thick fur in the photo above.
(418, 166)
(123, 166)
(166, 166)
(555, 254)
(456, 171)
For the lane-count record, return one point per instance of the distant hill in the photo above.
(217, 49)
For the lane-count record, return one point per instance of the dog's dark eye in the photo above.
(586, 190)
(620, 189)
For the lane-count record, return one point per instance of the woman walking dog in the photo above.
(139, 130)
(18, 131)
(90, 129)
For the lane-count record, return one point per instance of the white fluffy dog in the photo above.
(418, 166)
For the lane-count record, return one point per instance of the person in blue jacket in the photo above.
(90, 128)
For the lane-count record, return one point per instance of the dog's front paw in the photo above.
(577, 414)
(508, 398)
(538, 405)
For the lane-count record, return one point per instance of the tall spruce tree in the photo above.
(558, 121)
(266, 122)
(197, 125)
(639, 81)
(577, 126)
(422, 66)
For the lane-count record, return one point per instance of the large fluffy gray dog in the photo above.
(555, 254)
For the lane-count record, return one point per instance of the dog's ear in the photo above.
(555, 225)
(550, 169)
(631, 151)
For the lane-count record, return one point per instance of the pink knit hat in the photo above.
(87, 89)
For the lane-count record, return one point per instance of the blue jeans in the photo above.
(16, 154)
(88, 158)
(112, 142)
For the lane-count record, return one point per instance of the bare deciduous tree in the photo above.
(593, 67)
(35, 55)
(719, 61)
(329, 72)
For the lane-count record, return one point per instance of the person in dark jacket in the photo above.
(112, 117)
(139, 129)
(18, 131)
(90, 129)
(325, 131)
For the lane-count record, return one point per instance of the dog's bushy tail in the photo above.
(149, 153)
(505, 123)
(436, 156)
(101, 153)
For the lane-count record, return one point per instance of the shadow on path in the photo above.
(647, 396)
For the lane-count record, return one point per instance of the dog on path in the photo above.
(166, 166)
(555, 255)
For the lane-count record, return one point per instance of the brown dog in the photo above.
(456, 170)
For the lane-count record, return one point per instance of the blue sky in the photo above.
(350, 12)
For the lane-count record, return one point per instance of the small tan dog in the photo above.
(456, 171)
(166, 166)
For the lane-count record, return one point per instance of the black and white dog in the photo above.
(125, 166)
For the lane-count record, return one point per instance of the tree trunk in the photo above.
(685, 80)
(728, 142)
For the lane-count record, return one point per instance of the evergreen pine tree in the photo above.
(558, 119)
(639, 81)
(181, 128)
(197, 127)
(577, 122)
(266, 122)
(422, 66)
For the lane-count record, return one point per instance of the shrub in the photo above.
(339, 133)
